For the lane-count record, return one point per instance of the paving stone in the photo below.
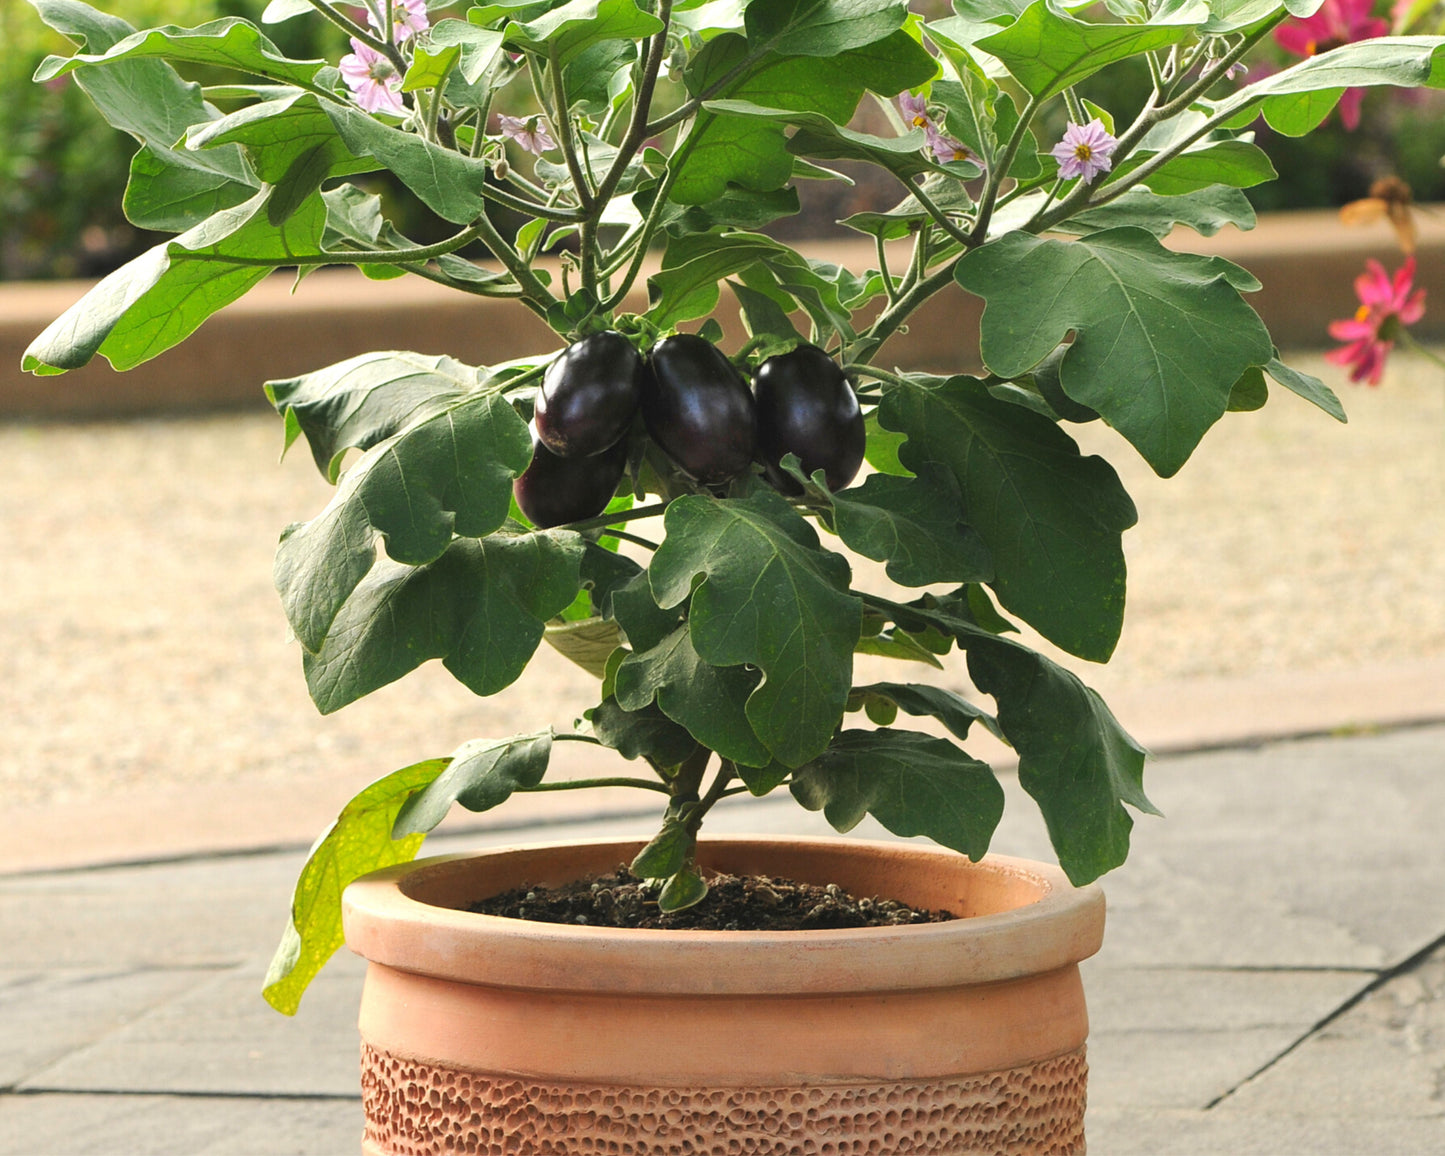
(44, 1016)
(216, 912)
(80, 1125)
(1384, 1057)
(1114, 1132)
(221, 1037)
(1318, 853)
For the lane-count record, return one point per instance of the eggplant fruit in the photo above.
(698, 409)
(555, 490)
(589, 395)
(806, 407)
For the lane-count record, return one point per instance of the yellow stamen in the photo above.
(1362, 313)
(1082, 151)
(920, 121)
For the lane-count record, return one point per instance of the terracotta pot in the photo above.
(489, 1035)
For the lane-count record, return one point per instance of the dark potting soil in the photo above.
(733, 903)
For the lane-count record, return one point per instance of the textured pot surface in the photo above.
(483, 1034)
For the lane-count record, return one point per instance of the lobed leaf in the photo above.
(766, 594)
(1160, 337)
(359, 841)
(450, 471)
(911, 783)
(1051, 519)
(710, 701)
(481, 608)
(479, 774)
(158, 299)
(916, 525)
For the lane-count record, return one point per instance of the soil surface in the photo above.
(733, 903)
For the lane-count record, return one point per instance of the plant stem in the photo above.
(583, 784)
(351, 28)
(613, 532)
(726, 772)
(888, 286)
(998, 172)
(563, 118)
(685, 784)
(635, 514)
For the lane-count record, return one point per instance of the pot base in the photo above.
(420, 1109)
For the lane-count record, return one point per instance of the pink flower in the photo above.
(408, 17)
(531, 133)
(1085, 151)
(373, 78)
(1386, 306)
(1338, 22)
(915, 115)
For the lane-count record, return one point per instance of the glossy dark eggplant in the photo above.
(555, 490)
(698, 409)
(805, 406)
(589, 395)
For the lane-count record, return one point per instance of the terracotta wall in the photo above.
(1307, 262)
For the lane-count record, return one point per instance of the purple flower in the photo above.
(373, 78)
(530, 133)
(915, 115)
(408, 17)
(1085, 151)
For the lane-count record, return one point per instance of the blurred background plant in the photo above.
(63, 170)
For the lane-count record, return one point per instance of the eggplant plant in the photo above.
(654, 141)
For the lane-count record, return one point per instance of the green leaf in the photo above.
(1311, 388)
(693, 268)
(667, 853)
(893, 224)
(572, 28)
(822, 27)
(643, 733)
(921, 700)
(480, 774)
(1051, 518)
(762, 316)
(710, 701)
(481, 608)
(1075, 759)
(159, 298)
(1236, 163)
(448, 472)
(911, 783)
(447, 182)
(685, 889)
(1160, 337)
(358, 842)
(1250, 392)
(274, 134)
(916, 525)
(769, 595)
(227, 43)
(479, 47)
(1048, 51)
(1205, 211)
(899, 644)
(752, 152)
(819, 138)
(364, 400)
(1403, 61)
(171, 189)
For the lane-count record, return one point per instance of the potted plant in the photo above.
(675, 516)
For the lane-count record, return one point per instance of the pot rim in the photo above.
(1060, 926)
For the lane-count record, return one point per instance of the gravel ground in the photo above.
(140, 637)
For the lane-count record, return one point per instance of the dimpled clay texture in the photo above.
(418, 1109)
